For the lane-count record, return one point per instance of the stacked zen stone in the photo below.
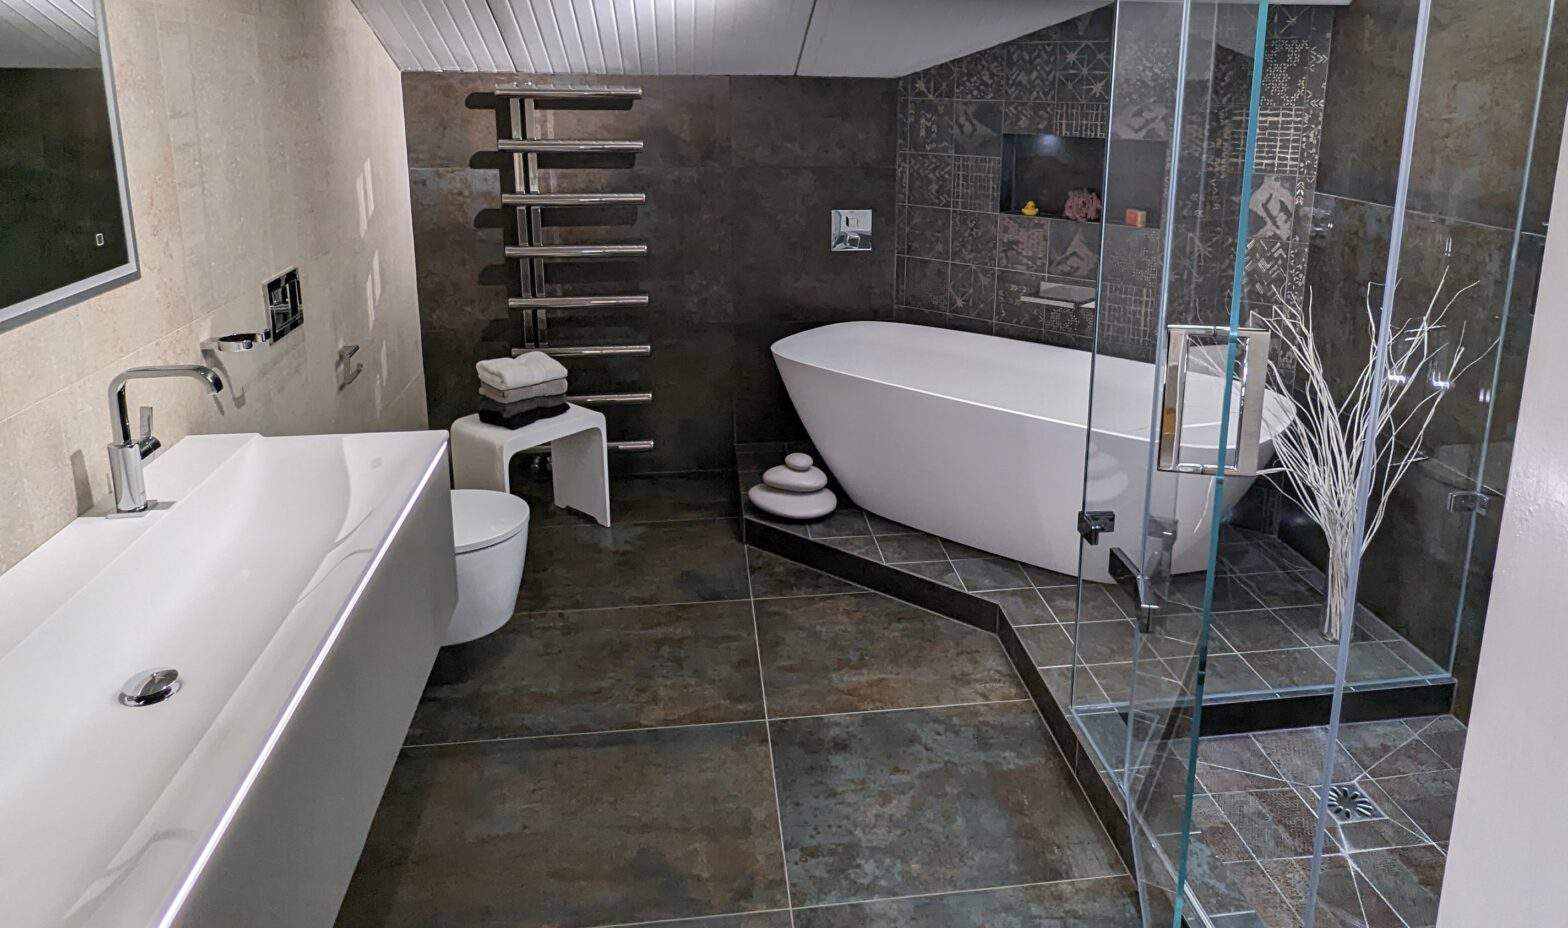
(796, 489)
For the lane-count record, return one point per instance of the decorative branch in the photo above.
(1323, 448)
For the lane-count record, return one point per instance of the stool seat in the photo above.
(579, 455)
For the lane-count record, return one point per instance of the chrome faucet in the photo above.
(126, 454)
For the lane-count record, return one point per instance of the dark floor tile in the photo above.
(772, 575)
(957, 552)
(1428, 798)
(645, 498)
(1282, 589)
(1370, 661)
(1269, 908)
(1343, 900)
(881, 526)
(1106, 902)
(1246, 557)
(587, 567)
(1299, 753)
(872, 803)
(1255, 630)
(1409, 878)
(866, 651)
(595, 670)
(1227, 674)
(1103, 642)
(1186, 593)
(862, 546)
(1048, 645)
(1043, 578)
(1098, 603)
(1298, 667)
(1386, 749)
(1022, 607)
(990, 573)
(940, 571)
(1273, 822)
(839, 524)
(536, 832)
(1235, 762)
(905, 548)
(1446, 735)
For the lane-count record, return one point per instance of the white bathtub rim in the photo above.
(1286, 408)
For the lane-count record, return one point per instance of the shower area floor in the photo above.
(1255, 814)
(676, 727)
(1265, 639)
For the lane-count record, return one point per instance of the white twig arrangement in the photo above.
(1323, 449)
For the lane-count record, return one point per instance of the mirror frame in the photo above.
(59, 298)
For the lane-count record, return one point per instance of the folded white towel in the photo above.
(529, 370)
(548, 388)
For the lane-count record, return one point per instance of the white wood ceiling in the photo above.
(48, 34)
(851, 38)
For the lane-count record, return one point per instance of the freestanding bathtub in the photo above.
(980, 439)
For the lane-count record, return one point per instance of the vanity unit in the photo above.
(205, 700)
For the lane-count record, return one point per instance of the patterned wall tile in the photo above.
(977, 183)
(977, 128)
(1275, 270)
(974, 237)
(1023, 243)
(931, 126)
(1010, 286)
(934, 83)
(1074, 249)
(927, 232)
(1277, 199)
(1029, 117)
(930, 179)
(1142, 121)
(1084, 120)
(925, 284)
(983, 75)
(1132, 256)
(1031, 71)
(1083, 71)
(971, 290)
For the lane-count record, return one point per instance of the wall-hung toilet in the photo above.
(490, 531)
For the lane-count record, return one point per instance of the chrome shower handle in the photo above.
(1173, 398)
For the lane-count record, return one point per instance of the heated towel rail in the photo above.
(525, 143)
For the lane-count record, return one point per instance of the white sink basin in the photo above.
(300, 586)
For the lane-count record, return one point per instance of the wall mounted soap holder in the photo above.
(1062, 296)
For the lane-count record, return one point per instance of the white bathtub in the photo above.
(980, 439)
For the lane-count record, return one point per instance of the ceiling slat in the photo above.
(478, 49)
(511, 29)
(427, 20)
(490, 32)
(380, 20)
(458, 45)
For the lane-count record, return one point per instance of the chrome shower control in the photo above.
(150, 687)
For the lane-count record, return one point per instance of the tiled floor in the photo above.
(1257, 812)
(677, 727)
(1264, 641)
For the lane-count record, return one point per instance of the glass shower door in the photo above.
(1176, 410)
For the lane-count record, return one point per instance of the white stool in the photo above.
(482, 454)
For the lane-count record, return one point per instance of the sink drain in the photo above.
(150, 687)
(1347, 803)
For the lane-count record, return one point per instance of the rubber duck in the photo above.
(1030, 209)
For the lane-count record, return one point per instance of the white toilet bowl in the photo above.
(490, 531)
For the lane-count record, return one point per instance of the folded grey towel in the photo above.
(527, 370)
(548, 388)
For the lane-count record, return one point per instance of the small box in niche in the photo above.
(1137, 218)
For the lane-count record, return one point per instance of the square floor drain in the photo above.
(1348, 803)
